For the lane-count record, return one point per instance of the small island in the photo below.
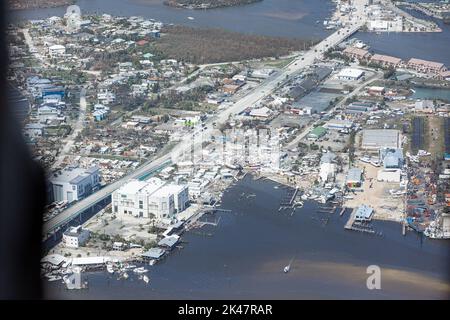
(206, 4)
(37, 4)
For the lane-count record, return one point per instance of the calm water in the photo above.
(246, 253)
(431, 93)
(428, 46)
(289, 18)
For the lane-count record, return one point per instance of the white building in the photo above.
(338, 124)
(374, 139)
(151, 198)
(424, 106)
(386, 24)
(33, 130)
(180, 196)
(56, 50)
(263, 112)
(125, 67)
(75, 237)
(350, 74)
(196, 187)
(106, 97)
(262, 73)
(327, 171)
(46, 113)
(389, 175)
(74, 184)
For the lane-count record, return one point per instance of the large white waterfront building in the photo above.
(151, 198)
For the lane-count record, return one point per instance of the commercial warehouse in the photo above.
(374, 139)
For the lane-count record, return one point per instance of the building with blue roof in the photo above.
(391, 158)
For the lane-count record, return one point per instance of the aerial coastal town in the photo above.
(140, 146)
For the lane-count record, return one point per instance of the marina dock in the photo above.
(288, 199)
(350, 221)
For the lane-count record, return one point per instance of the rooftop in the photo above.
(169, 241)
(354, 174)
(378, 138)
(386, 59)
(363, 212)
(356, 51)
(426, 63)
(90, 260)
(72, 175)
(350, 73)
(318, 131)
(153, 253)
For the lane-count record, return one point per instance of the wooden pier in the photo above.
(288, 200)
(350, 221)
(357, 226)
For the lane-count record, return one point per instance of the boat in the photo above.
(146, 279)
(152, 262)
(191, 18)
(140, 270)
(304, 197)
(288, 267)
(125, 275)
(129, 266)
(110, 268)
(54, 278)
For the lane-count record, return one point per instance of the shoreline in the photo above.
(306, 268)
(206, 5)
(21, 5)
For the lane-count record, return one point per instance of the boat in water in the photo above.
(299, 204)
(140, 270)
(191, 18)
(146, 279)
(288, 267)
(129, 266)
(110, 268)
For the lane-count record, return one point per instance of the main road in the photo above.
(77, 128)
(253, 97)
